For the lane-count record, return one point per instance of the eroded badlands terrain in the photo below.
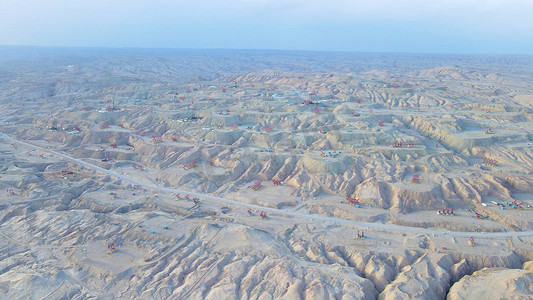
(143, 174)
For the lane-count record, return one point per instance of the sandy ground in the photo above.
(77, 178)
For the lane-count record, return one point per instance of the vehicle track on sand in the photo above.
(202, 278)
(377, 226)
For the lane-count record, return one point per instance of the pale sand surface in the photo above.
(74, 193)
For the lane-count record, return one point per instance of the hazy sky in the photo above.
(437, 26)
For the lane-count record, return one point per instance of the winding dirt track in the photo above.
(389, 227)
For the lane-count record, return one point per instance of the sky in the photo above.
(416, 26)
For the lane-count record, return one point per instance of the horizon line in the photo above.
(259, 49)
